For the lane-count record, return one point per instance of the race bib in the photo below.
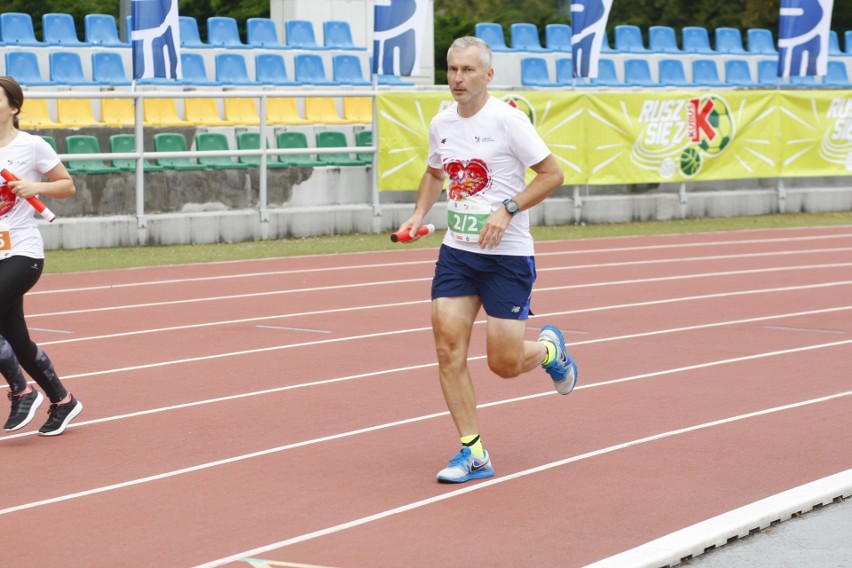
(5, 237)
(465, 219)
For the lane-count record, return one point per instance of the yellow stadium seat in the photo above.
(358, 109)
(75, 113)
(323, 110)
(283, 111)
(204, 112)
(117, 113)
(241, 111)
(35, 114)
(162, 112)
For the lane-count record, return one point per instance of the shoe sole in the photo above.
(39, 399)
(480, 474)
(71, 415)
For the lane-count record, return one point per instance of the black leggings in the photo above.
(17, 275)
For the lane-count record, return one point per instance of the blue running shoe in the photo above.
(563, 369)
(465, 466)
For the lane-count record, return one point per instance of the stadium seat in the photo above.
(86, 144)
(101, 30)
(204, 112)
(834, 43)
(336, 34)
(346, 70)
(322, 110)
(216, 142)
(161, 112)
(705, 73)
(261, 32)
(662, 39)
(310, 70)
(809, 81)
(173, 142)
(761, 42)
(767, 73)
(18, 29)
(118, 113)
(222, 31)
(293, 139)
(269, 69)
(300, 34)
(59, 29)
(66, 68)
(729, 40)
(628, 39)
(637, 73)
(696, 39)
(392, 81)
(336, 139)
(251, 141)
(534, 72)
(36, 116)
(557, 37)
(241, 111)
(605, 44)
(108, 69)
(607, 76)
(847, 42)
(358, 109)
(75, 113)
(836, 75)
(125, 144)
(189, 36)
(671, 73)
(283, 110)
(231, 69)
(492, 33)
(738, 73)
(364, 138)
(24, 67)
(194, 69)
(524, 37)
(564, 72)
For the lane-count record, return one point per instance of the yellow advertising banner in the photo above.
(649, 136)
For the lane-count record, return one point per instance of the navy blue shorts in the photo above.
(504, 283)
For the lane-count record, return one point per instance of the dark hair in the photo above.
(15, 95)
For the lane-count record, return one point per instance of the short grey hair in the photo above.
(472, 41)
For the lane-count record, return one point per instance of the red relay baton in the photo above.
(34, 201)
(402, 236)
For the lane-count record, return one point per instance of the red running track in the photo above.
(286, 412)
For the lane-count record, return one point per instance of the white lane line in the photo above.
(282, 328)
(482, 485)
(804, 329)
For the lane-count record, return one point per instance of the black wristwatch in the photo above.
(511, 206)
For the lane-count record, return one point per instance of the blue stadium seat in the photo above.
(59, 29)
(729, 40)
(605, 44)
(101, 30)
(628, 39)
(705, 73)
(607, 76)
(346, 70)
(738, 73)
(637, 73)
(696, 39)
(231, 69)
(300, 33)
(557, 37)
(767, 73)
(671, 73)
(261, 32)
(534, 72)
(24, 67)
(761, 42)
(18, 29)
(108, 69)
(269, 69)
(189, 36)
(492, 33)
(524, 37)
(336, 34)
(310, 70)
(662, 39)
(194, 69)
(836, 76)
(565, 71)
(222, 32)
(66, 68)
(847, 42)
(809, 81)
(834, 43)
(393, 81)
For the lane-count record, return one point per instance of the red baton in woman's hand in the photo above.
(34, 201)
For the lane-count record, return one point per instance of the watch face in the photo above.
(511, 207)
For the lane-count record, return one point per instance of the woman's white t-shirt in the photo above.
(28, 157)
(485, 158)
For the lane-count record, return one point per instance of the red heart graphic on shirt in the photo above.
(467, 178)
(7, 199)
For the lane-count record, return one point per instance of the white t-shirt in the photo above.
(485, 157)
(28, 157)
